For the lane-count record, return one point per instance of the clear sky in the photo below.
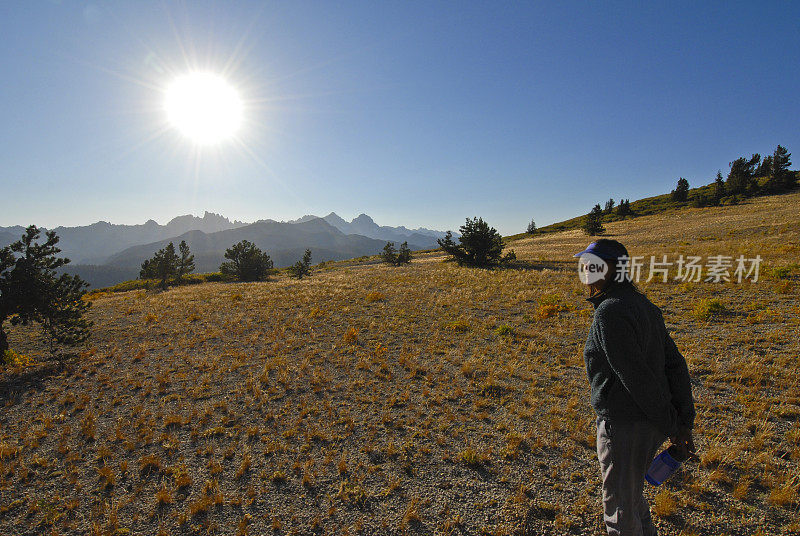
(417, 113)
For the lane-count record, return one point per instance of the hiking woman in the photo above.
(640, 387)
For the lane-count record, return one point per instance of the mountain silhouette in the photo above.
(364, 225)
(283, 242)
(105, 254)
(93, 244)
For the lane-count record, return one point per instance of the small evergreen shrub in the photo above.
(13, 359)
(700, 201)
(624, 208)
(301, 268)
(246, 262)
(781, 272)
(504, 331)
(593, 224)
(707, 308)
(458, 326)
(479, 245)
(166, 266)
(391, 256)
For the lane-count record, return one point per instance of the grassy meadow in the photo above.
(427, 399)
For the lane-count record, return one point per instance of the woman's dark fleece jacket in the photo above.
(635, 370)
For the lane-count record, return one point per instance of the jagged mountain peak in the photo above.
(208, 217)
(363, 218)
(334, 219)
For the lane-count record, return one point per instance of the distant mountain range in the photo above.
(365, 226)
(104, 253)
(93, 244)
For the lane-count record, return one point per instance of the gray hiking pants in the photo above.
(625, 450)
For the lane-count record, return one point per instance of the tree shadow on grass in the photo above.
(13, 384)
(538, 266)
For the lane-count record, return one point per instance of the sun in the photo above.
(203, 107)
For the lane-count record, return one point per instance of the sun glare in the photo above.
(203, 107)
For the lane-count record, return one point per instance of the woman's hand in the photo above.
(684, 442)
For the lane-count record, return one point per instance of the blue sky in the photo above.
(417, 113)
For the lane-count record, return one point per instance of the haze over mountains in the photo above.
(104, 253)
(366, 226)
(93, 244)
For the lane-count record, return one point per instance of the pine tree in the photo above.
(389, 254)
(681, 191)
(531, 228)
(302, 267)
(30, 291)
(624, 208)
(594, 221)
(163, 266)
(185, 263)
(404, 255)
(609, 208)
(700, 200)
(740, 178)
(782, 177)
(719, 189)
(247, 262)
(479, 244)
(764, 169)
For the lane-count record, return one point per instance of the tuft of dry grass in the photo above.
(181, 477)
(785, 493)
(504, 331)
(350, 336)
(89, 426)
(664, 503)
(548, 310)
(412, 513)
(375, 296)
(471, 458)
(458, 326)
(164, 495)
(149, 463)
(107, 477)
(245, 465)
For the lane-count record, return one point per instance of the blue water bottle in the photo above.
(664, 465)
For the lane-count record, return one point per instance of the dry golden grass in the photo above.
(454, 400)
(664, 503)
